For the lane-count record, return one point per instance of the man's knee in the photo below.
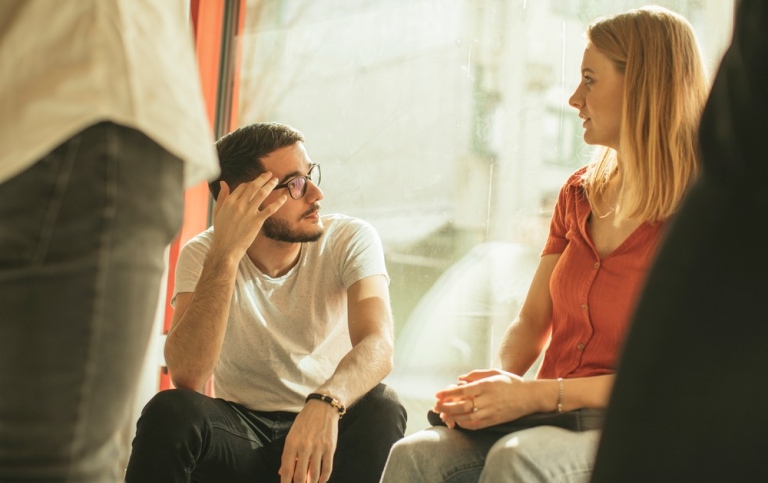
(381, 408)
(171, 411)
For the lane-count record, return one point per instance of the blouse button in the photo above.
(597, 265)
(584, 307)
(580, 347)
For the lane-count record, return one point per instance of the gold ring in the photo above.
(474, 408)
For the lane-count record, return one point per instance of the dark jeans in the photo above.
(184, 436)
(83, 234)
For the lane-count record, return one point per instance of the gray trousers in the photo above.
(82, 238)
(544, 454)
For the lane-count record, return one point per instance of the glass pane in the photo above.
(444, 123)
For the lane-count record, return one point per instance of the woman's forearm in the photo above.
(580, 392)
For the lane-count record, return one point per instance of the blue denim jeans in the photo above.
(544, 454)
(83, 234)
(183, 436)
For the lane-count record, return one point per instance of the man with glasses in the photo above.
(289, 311)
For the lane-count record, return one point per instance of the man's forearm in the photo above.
(194, 342)
(361, 369)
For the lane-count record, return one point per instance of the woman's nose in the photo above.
(577, 99)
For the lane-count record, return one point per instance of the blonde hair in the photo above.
(665, 88)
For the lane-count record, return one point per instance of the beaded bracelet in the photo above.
(330, 400)
(559, 394)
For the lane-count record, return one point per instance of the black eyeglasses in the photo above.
(297, 186)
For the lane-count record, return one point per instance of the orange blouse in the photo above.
(592, 299)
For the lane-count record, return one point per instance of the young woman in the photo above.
(642, 91)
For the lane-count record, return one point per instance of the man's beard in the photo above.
(279, 230)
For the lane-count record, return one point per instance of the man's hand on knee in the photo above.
(310, 445)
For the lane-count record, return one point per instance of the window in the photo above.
(444, 123)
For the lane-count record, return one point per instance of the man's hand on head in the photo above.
(238, 215)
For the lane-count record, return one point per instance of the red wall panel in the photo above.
(207, 18)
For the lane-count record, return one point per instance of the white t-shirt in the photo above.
(285, 336)
(70, 64)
